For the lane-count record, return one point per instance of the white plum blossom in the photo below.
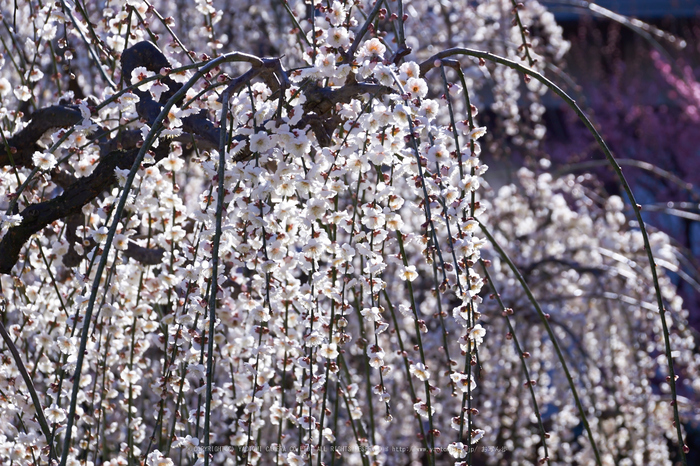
(44, 160)
(373, 48)
(476, 435)
(5, 87)
(477, 133)
(408, 273)
(477, 334)
(423, 410)
(139, 74)
(457, 450)
(419, 370)
(373, 218)
(417, 87)
(22, 93)
(463, 382)
(260, 142)
(329, 351)
(372, 314)
(54, 414)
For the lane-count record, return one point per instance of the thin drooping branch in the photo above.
(653, 169)
(350, 54)
(433, 61)
(117, 216)
(27, 380)
(216, 243)
(552, 337)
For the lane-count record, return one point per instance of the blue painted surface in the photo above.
(642, 9)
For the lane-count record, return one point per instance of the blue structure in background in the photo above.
(566, 10)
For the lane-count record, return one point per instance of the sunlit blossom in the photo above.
(417, 87)
(22, 93)
(44, 160)
(373, 48)
(457, 450)
(419, 370)
(423, 410)
(408, 273)
(329, 351)
(476, 133)
(5, 87)
(54, 414)
(139, 74)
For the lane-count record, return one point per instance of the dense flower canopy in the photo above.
(260, 233)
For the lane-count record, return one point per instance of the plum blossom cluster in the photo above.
(290, 263)
(586, 267)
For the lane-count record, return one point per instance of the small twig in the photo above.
(350, 54)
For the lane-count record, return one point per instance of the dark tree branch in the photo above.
(144, 255)
(149, 56)
(120, 152)
(322, 100)
(37, 216)
(72, 258)
(23, 144)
